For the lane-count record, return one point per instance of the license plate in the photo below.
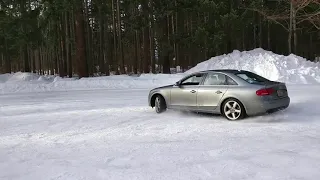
(281, 93)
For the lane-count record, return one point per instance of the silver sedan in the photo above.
(234, 94)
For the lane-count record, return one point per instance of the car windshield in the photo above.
(252, 78)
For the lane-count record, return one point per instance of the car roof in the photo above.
(232, 71)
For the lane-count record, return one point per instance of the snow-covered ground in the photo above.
(102, 128)
(112, 134)
(26, 82)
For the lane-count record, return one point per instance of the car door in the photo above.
(211, 91)
(184, 95)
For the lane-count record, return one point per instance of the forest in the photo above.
(86, 38)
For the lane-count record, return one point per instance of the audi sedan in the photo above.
(234, 94)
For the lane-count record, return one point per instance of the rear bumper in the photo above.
(265, 106)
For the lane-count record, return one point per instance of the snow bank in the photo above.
(28, 82)
(291, 69)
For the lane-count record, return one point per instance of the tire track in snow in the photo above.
(137, 123)
(31, 111)
(66, 122)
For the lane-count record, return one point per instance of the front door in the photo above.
(211, 92)
(184, 96)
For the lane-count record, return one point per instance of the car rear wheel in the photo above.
(233, 110)
(160, 104)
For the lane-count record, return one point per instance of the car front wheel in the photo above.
(160, 104)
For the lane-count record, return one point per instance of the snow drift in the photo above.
(28, 82)
(291, 69)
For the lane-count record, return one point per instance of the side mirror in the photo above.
(177, 83)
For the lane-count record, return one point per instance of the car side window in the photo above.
(193, 80)
(230, 81)
(215, 79)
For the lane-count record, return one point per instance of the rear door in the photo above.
(211, 91)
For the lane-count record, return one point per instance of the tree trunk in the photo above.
(7, 61)
(136, 47)
(243, 39)
(73, 45)
(68, 44)
(101, 55)
(254, 36)
(63, 60)
(120, 48)
(24, 45)
(26, 58)
(33, 58)
(56, 56)
(88, 38)
(152, 44)
(290, 29)
(294, 28)
(146, 38)
(40, 58)
(260, 31)
(114, 29)
(166, 49)
(106, 49)
(140, 52)
(180, 48)
(146, 49)
(311, 53)
(80, 43)
(269, 36)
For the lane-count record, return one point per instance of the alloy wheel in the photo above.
(232, 110)
(158, 104)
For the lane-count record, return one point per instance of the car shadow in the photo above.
(195, 114)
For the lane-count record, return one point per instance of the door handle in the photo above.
(218, 92)
(193, 91)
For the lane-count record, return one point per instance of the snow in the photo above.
(291, 69)
(112, 134)
(102, 128)
(28, 82)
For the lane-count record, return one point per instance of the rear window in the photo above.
(252, 78)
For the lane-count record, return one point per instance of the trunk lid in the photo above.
(279, 89)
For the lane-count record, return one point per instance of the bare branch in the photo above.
(317, 26)
(276, 18)
(308, 17)
(301, 13)
(301, 4)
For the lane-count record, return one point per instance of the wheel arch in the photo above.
(153, 98)
(231, 97)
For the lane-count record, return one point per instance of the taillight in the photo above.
(264, 92)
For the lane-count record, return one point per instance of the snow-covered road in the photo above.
(113, 134)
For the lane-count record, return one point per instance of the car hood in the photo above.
(162, 87)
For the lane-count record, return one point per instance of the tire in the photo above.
(233, 110)
(160, 104)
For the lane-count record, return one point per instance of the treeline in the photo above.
(96, 37)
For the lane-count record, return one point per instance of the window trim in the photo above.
(245, 72)
(237, 84)
(191, 75)
(207, 74)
